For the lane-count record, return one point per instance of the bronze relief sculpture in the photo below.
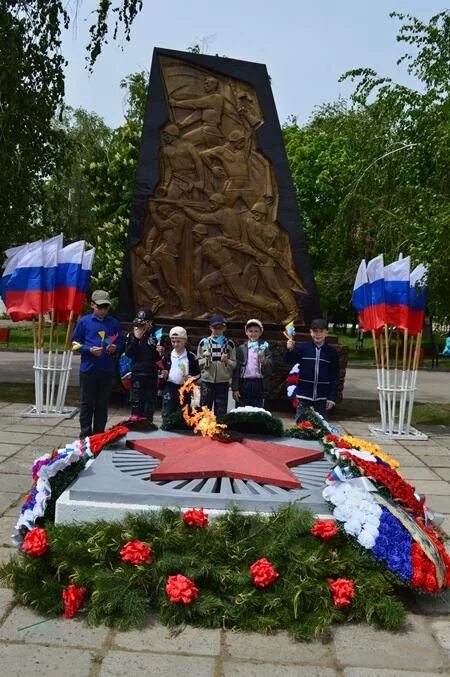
(210, 239)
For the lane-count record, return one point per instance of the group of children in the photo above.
(216, 364)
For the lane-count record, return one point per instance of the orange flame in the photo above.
(204, 421)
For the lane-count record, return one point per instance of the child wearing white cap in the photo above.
(253, 367)
(179, 365)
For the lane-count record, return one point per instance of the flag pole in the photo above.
(402, 384)
(397, 347)
(412, 392)
(36, 364)
(66, 364)
(49, 365)
(380, 393)
(388, 379)
(383, 383)
(55, 362)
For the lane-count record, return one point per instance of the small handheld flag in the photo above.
(158, 335)
(289, 331)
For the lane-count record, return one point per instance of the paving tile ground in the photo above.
(62, 647)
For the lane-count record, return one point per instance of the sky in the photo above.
(305, 44)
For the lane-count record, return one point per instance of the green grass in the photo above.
(21, 338)
(367, 354)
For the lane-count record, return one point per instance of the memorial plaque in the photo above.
(214, 224)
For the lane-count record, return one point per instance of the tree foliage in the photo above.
(31, 89)
(33, 144)
(67, 202)
(372, 175)
(111, 179)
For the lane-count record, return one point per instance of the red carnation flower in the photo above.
(343, 444)
(342, 591)
(195, 517)
(332, 438)
(305, 425)
(136, 552)
(324, 529)
(263, 573)
(179, 588)
(35, 542)
(389, 477)
(73, 598)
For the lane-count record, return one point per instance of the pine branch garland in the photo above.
(217, 558)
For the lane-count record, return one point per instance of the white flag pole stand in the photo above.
(53, 373)
(393, 426)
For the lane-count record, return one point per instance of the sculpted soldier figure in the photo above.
(169, 222)
(243, 173)
(224, 217)
(181, 168)
(208, 109)
(215, 251)
(270, 241)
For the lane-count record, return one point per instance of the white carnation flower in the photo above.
(366, 539)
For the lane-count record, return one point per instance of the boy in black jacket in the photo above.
(144, 352)
(178, 366)
(317, 386)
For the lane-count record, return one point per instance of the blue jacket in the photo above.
(319, 371)
(87, 333)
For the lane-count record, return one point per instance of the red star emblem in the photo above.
(198, 457)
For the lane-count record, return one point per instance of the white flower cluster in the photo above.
(356, 509)
(71, 453)
(249, 410)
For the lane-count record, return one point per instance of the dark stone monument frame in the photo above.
(270, 144)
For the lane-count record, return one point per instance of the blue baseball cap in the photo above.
(217, 319)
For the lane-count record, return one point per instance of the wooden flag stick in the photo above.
(65, 365)
(377, 363)
(383, 382)
(49, 364)
(388, 379)
(412, 391)
(401, 414)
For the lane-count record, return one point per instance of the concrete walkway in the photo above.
(66, 647)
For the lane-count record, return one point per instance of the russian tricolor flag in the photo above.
(396, 292)
(70, 260)
(22, 281)
(418, 292)
(376, 293)
(51, 249)
(83, 280)
(360, 297)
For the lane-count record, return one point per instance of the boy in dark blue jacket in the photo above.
(317, 386)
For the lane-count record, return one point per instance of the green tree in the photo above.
(32, 144)
(67, 203)
(110, 181)
(373, 175)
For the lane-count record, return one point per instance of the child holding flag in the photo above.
(145, 352)
(217, 358)
(98, 338)
(253, 367)
(317, 386)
